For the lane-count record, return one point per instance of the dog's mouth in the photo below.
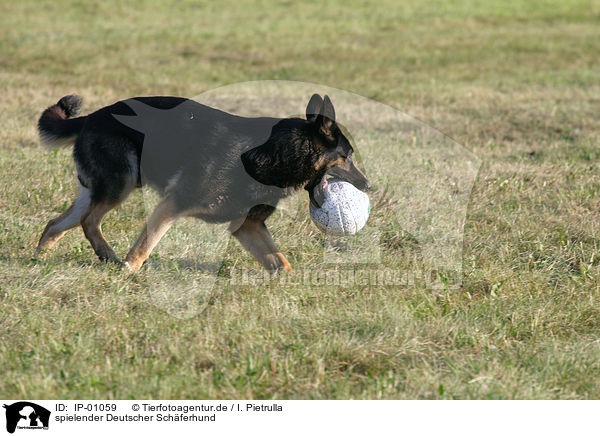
(317, 194)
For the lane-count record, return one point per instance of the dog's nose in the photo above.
(368, 186)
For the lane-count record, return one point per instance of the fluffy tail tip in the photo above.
(70, 104)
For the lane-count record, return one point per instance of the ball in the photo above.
(344, 211)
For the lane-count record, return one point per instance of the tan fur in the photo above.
(52, 234)
(93, 232)
(57, 227)
(322, 162)
(285, 265)
(341, 162)
(255, 237)
(159, 222)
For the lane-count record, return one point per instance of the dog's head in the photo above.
(300, 153)
(336, 155)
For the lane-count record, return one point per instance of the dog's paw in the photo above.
(284, 264)
(277, 262)
(39, 254)
(126, 266)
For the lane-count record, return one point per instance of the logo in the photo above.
(423, 182)
(26, 415)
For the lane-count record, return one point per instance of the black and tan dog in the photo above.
(204, 162)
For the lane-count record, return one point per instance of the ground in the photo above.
(515, 83)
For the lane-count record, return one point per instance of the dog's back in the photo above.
(169, 143)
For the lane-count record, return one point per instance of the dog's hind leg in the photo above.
(158, 223)
(57, 227)
(256, 238)
(91, 224)
(103, 200)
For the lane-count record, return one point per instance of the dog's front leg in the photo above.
(159, 222)
(255, 237)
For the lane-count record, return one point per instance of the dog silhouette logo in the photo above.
(26, 415)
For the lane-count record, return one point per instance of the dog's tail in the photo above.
(57, 126)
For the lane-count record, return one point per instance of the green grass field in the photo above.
(514, 82)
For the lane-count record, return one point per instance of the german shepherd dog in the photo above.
(204, 163)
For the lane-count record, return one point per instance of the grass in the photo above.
(513, 82)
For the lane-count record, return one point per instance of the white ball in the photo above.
(345, 210)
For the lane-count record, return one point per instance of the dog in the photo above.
(203, 162)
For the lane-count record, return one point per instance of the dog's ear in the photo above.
(314, 107)
(325, 121)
